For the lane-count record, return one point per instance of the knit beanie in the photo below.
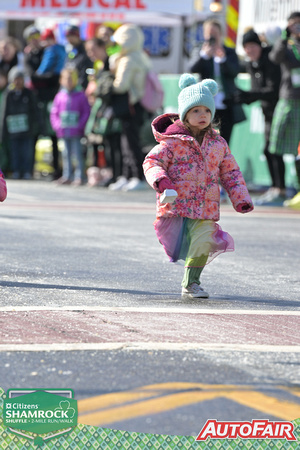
(15, 72)
(251, 36)
(196, 94)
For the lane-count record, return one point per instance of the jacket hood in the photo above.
(168, 125)
(129, 37)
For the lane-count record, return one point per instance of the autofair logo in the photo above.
(256, 429)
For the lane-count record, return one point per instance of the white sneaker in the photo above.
(194, 291)
(134, 184)
(119, 184)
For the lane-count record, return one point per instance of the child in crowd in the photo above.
(19, 120)
(190, 158)
(3, 189)
(69, 114)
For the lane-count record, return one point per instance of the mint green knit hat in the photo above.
(196, 94)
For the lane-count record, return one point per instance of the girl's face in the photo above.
(198, 118)
(68, 80)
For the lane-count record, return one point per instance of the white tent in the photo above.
(175, 14)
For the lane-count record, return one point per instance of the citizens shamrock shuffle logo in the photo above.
(32, 413)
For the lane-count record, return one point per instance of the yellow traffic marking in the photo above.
(116, 398)
(270, 405)
(154, 399)
(148, 407)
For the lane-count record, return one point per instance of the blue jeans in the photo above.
(73, 148)
(21, 154)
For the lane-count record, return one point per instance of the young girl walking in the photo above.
(190, 158)
(69, 114)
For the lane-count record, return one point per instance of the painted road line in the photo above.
(147, 407)
(284, 409)
(110, 408)
(115, 398)
(157, 310)
(159, 346)
(153, 390)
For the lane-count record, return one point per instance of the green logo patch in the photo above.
(39, 411)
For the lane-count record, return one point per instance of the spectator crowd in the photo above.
(89, 96)
(85, 94)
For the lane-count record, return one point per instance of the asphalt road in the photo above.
(89, 301)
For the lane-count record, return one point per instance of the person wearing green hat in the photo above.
(190, 158)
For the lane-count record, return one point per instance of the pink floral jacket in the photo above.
(194, 170)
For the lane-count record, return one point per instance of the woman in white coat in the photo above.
(130, 67)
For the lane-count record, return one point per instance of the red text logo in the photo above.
(256, 429)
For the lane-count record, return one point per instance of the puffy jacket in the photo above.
(285, 52)
(53, 59)
(69, 113)
(19, 116)
(194, 170)
(131, 64)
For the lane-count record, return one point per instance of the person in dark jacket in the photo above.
(18, 120)
(220, 63)
(265, 81)
(33, 52)
(285, 131)
(76, 55)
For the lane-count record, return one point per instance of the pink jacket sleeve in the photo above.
(233, 181)
(156, 165)
(3, 189)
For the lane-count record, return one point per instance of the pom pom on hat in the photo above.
(211, 85)
(186, 80)
(196, 94)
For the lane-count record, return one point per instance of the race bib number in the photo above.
(69, 119)
(295, 76)
(17, 123)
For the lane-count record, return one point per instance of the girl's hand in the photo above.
(244, 208)
(165, 183)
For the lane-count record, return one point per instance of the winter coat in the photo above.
(284, 53)
(53, 60)
(78, 58)
(265, 82)
(229, 70)
(3, 188)
(19, 117)
(131, 64)
(194, 170)
(69, 113)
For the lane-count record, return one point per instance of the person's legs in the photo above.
(77, 150)
(67, 159)
(198, 235)
(27, 151)
(131, 130)
(114, 144)
(15, 156)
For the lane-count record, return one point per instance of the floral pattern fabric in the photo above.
(194, 170)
